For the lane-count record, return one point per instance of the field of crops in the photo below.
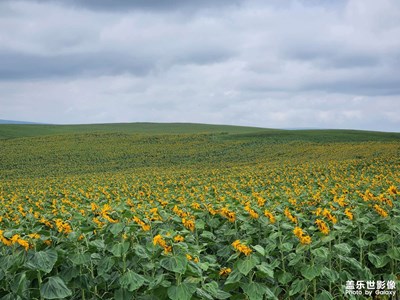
(198, 216)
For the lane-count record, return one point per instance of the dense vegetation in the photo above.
(181, 211)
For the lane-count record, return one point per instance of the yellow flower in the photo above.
(189, 224)
(392, 190)
(230, 215)
(167, 249)
(23, 243)
(303, 238)
(252, 213)
(290, 216)
(225, 271)
(158, 240)
(327, 214)
(179, 238)
(14, 238)
(237, 245)
(34, 236)
(195, 205)
(298, 232)
(270, 216)
(63, 227)
(322, 226)
(4, 240)
(380, 211)
(94, 206)
(144, 226)
(348, 213)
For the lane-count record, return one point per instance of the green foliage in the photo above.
(142, 211)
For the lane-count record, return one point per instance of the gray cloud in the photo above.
(270, 63)
(27, 66)
(145, 5)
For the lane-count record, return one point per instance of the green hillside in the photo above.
(8, 131)
(55, 150)
(194, 211)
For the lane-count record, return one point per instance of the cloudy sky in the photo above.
(267, 63)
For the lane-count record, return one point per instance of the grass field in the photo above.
(195, 211)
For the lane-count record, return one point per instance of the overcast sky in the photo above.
(278, 63)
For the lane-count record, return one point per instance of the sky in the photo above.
(265, 63)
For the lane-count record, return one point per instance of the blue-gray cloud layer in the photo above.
(266, 63)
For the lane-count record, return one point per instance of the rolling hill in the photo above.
(57, 150)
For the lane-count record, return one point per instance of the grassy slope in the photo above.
(43, 150)
(8, 131)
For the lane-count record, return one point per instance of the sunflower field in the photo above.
(295, 220)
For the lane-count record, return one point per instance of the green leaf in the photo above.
(20, 284)
(120, 249)
(270, 247)
(327, 238)
(230, 232)
(98, 244)
(183, 291)
(175, 264)
(266, 269)
(156, 281)
(286, 246)
(330, 274)
(343, 248)
(284, 277)
(208, 235)
(68, 273)
(395, 227)
(203, 265)
(286, 226)
(259, 249)
(296, 260)
(351, 261)
(321, 252)
(378, 261)
(310, 272)
(256, 291)
(394, 253)
(55, 288)
(297, 286)
(116, 228)
(192, 279)
(245, 265)
(80, 258)
(203, 294)
(213, 223)
(200, 224)
(140, 251)
(214, 290)
(106, 264)
(42, 260)
(383, 238)
(325, 295)
(361, 243)
(11, 297)
(131, 281)
(363, 220)
(123, 294)
(234, 277)
(234, 256)
(270, 294)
